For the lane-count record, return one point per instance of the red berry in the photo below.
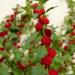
(15, 13)
(35, 5)
(72, 33)
(11, 19)
(35, 11)
(15, 44)
(3, 34)
(21, 66)
(48, 32)
(39, 27)
(45, 40)
(18, 46)
(47, 60)
(2, 49)
(1, 59)
(53, 72)
(65, 47)
(43, 20)
(18, 33)
(8, 25)
(73, 25)
(51, 52)
(71, 42)
(39, 11)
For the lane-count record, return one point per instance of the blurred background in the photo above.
(56, 15)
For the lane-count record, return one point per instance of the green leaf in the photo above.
(55, 37)
(68, 31)
(8, 45)
(72, 49)
(41, 52)
(43, 1)
(17, 72)
(67, 57)
(4, 70)
(37, 37)
(55, 65)
(12, 35)
(1, 40)
(7, 16)
(39, 70)
(33, 37)
(35, 16)
(58, 58)
(27, 45)
(17, 55)
(1, 25)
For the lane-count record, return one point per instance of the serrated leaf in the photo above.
(54, 36)
(41, 52)
(4, 70)
(72, 49)
(35, 16)
(1, 40)
(17, 72)
(12, 35)
(43, 1)
(33, 37)
(68, 31)
(8, 45)
(37, 37)
(7, 16)
(17, 55)
(39, 70)
(58, 58)
(67, 57)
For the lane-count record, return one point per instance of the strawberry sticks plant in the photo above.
(70, 33)
(40, 52)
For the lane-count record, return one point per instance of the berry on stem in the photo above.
(7, 25)
(47, 60)
(2, 49)
(21, 66)
(1, 59)
(39, 11)
(53, 72)
(3, 34)
(39, 27)
(51, 52)
(43, 20)
(45, 40)
(48, 32)
(35, 5)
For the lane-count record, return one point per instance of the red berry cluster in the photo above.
(2, 59)
(3, 34)
(46, 38)
(47, 60)
(2, 49)
(9, 21)
(53, 72)
(7, 26)
(21, 66)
